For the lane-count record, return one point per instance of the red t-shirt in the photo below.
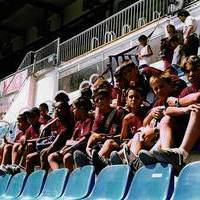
(44, 120)
(188, 90)
(82, 128)
(19, 135)
(33, 132)
(99, 125)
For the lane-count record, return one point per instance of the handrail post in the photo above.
(58, 53)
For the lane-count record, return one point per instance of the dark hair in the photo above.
(138, 89)
(183, 13)
(45, 106)
(33, 112)
(127, 64)
(83, 103)
(86, 92)
(62, 97)
(23, 116)
(172, 26)
(142, 37)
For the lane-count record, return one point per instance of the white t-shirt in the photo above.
(144, 60)
(176, 56)
(189, 21)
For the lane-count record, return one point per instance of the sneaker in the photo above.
(171, 156)
(115, 158)
(81, 159)
(3, 170)
(147, 157)
(136, 164)
(13, 169)
(98, 162)
(128, 155)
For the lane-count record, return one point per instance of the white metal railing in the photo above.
(28, 60)
(121, 23)
(46, 56)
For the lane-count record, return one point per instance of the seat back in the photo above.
(188, 184)
(34, 184)
(152, 182)
(16, 184)
(4, 181)
(55, 183)
(111, 183)
(84, 178)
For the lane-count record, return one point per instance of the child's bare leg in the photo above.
(16, 153)
(54, 159)
(108, 146)
(68, 161)
(7, 154)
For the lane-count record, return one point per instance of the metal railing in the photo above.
(28, 60)
(135, 16)
(120, 24)
(46, 56)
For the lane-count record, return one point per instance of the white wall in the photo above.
(21, 101)
(46, 87)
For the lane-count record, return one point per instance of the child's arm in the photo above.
(155, 113)
(177, 111)
(184, 101)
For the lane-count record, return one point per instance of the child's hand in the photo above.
(23, 140)
(157, 113)
(193, 107)
(171, 101)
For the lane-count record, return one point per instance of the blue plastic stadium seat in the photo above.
(15, 186)
(4, 181)
(54, 184)
(33, 186)
(188, 185)
(152, 182)
(111, 183)
(80, 183)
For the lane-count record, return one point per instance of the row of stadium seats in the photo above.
(115, 182)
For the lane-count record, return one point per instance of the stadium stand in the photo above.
(135, 112)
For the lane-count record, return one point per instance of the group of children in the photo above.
(148, 116)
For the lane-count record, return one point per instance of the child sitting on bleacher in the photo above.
(146, 136)
(105, 130)
(44, 117)
(180, 127)
(8, 157)
(60, 133)
(84, 122)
